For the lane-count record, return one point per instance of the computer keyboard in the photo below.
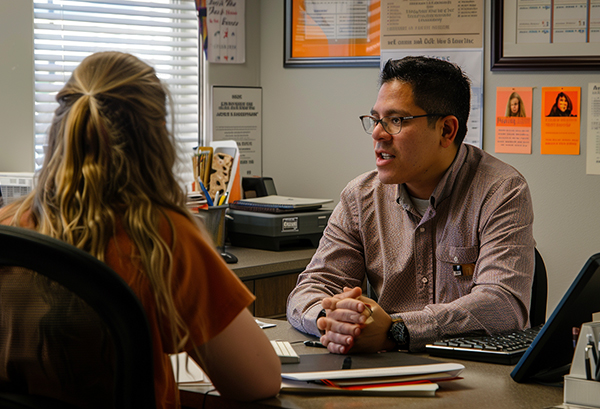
(500, 349)
(285, 352)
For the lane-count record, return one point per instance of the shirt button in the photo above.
(424, 280)
(422, 229)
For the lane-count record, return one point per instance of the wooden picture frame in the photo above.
(548, 57)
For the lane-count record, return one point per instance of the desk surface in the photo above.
(255, 263)
(483, 386)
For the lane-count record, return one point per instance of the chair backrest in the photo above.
(539, 292)
(59, 265)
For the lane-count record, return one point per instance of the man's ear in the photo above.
(449, 130)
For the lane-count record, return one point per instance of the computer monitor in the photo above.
(549, 356)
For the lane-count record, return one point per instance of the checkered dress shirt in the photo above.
(479, 222)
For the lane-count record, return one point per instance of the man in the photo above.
(441, 230)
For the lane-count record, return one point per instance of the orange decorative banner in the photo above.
(513, 120)
(560, 120)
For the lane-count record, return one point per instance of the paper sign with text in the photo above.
(513, 120)
(560, 120)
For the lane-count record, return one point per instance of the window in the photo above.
(163, 33)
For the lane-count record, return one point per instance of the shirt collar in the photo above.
(444, 186)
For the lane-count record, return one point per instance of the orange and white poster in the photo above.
(561, 111)
(513, 120)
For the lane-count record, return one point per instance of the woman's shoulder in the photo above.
(182, 224)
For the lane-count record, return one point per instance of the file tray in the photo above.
(276, 231)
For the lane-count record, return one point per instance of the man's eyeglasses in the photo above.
(390, 124)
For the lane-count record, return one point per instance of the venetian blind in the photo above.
(163, 33)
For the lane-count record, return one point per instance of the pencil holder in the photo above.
(214, 220)
(578, 389)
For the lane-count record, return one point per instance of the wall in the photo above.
(16, 86)
(314, 144)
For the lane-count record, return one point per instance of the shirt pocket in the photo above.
(456, 268)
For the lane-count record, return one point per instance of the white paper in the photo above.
(189, 371)
(276, 200)
(226, 31)
(593, 131)
(451, 368)
(237, 116)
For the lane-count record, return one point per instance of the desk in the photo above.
(270, 275)
(484, 386)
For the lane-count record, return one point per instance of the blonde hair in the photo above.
(521, 112)
(110, 161)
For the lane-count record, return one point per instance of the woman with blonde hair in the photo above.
(107, 186)
(515, 106)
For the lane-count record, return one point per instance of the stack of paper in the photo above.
(392, 373)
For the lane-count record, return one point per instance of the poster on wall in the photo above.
(560, 120)
(332, 33)
(593, 131)
(226, 31)
(451, 30)
(237, 116)
(513, 120)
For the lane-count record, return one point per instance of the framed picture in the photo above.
(533, 37)
(321, 33)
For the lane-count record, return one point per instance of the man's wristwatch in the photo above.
(322, 313)
(399, 334)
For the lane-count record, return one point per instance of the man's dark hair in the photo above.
(439, 87)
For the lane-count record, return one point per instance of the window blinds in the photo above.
(163, 33)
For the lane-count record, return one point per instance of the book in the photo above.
(282, 203)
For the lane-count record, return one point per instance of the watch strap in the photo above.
(399, 333)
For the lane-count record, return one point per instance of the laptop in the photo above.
(549, 356)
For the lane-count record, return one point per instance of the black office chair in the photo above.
(73, 295)
(539, 292)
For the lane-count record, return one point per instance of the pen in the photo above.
(208, 198)
(315, 344)
(223, 198)
(597, 376)
(592, 345)
(588, 368)
(347, 363)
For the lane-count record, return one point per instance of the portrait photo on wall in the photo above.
(515, 106)
(560, 120)
(513, 120)
(564, 104)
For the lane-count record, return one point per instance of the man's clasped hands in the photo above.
(354, 324)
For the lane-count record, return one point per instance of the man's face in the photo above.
(411, 156)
